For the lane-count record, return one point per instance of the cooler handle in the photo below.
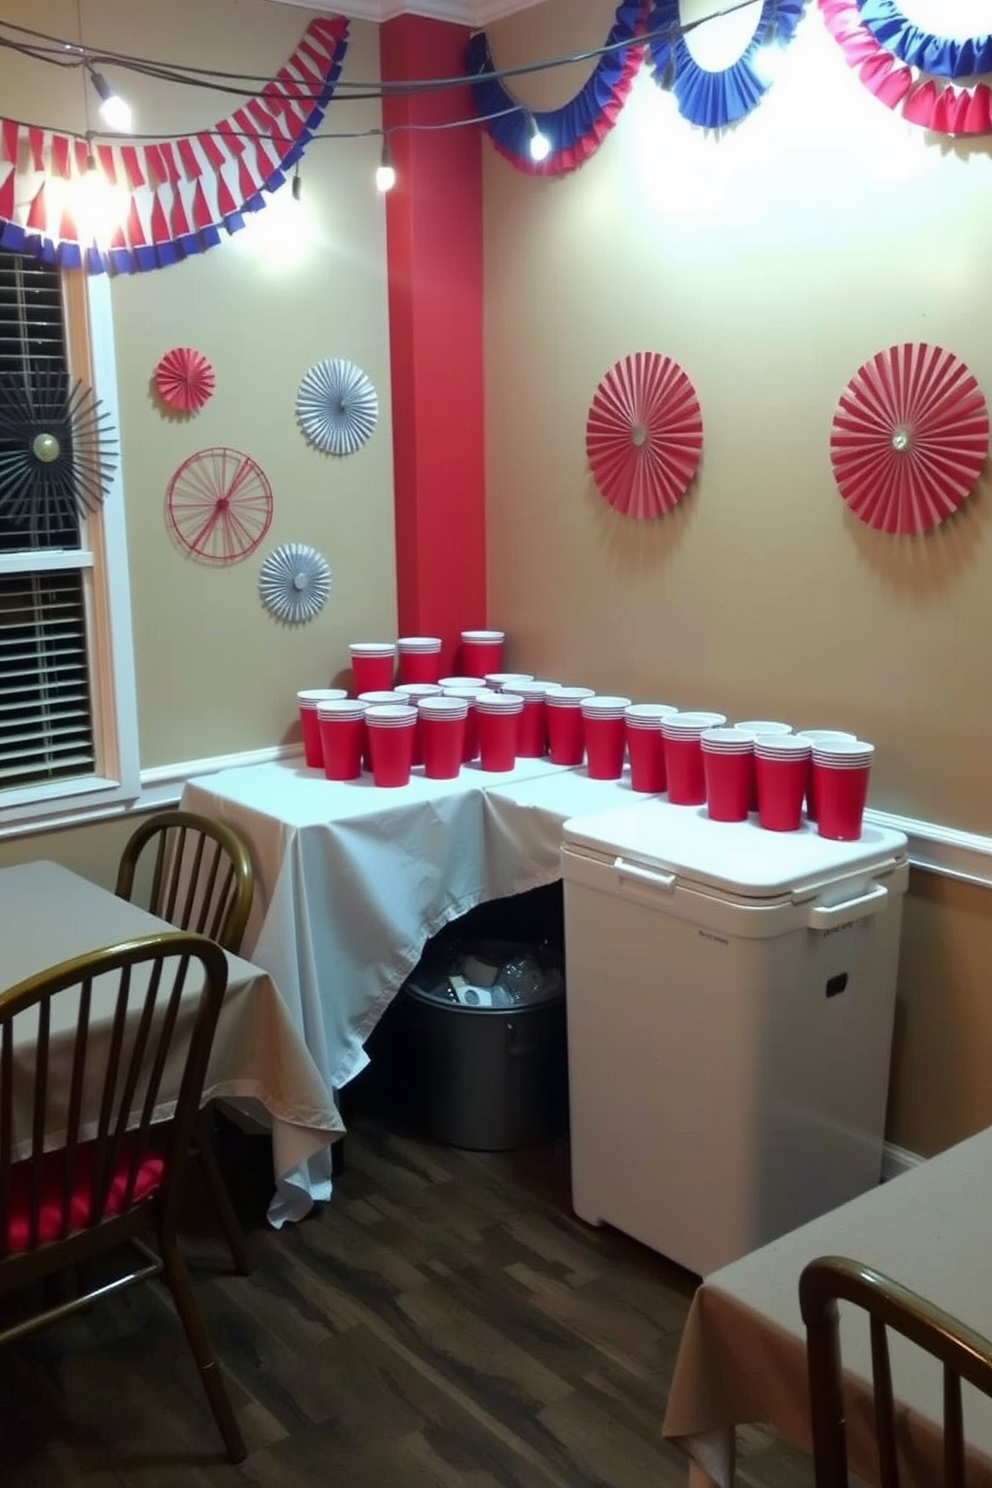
(644, 875)
(823, 916)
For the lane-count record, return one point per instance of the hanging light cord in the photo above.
(54, 51)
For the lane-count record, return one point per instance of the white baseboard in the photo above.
(898, 1160)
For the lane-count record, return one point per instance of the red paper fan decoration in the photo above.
(184, 379)
(644, 434)
(909, 438)
(219, 505)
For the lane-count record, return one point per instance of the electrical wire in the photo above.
(346, 91)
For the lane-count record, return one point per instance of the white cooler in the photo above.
(730, 1001)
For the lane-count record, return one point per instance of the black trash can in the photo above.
(488, 1073)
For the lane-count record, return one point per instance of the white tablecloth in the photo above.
(742, 1356)
(351, 881)
(524, 820)
(259, 1061)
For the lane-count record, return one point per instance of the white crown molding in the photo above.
(461, 12)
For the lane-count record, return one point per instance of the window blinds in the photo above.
(46, 716)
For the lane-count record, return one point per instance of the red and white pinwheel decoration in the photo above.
(909, 438)
(644, 434)
(184, 379)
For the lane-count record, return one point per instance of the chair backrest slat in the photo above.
(891, 1308)
(76, 1087)
(6, 1125)
(148, 983)
(202, 878)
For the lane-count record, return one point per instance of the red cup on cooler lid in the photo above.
(497, 716)
(646, 745)
(816, 736)
(390, 733)
(306, 701)
(756, 726)
(605, 733)
(728, 772)
(781, 763)
(373, 664)
(482, 650)
(419, 658)
(841, 769)
(341, 722)
(682, 733)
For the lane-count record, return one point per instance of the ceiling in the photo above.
(465, 12)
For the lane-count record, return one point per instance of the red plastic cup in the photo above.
(728, 770)
(420, 658)
(506, 681)
(376, 696)
(497, 716)
(307, 701)
(646, 745)
(470, 746)
(822, 736)
(412, 692)
(566, 726)
(605, 736)
(442, 735)
(391, 728)
(781, 764)
(684, 755)
(533, 740)
(342, 736)
(842, 772)
(482, 651)
(756, 727)
(373, 665)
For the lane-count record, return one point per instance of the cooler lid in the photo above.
(731, 857)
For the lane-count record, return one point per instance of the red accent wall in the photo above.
(434, 252)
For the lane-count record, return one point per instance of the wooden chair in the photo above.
(83, 1048)
(198, 875)
(963, 1353)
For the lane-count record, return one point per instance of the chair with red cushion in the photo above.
(197, 874)
(84, 1051)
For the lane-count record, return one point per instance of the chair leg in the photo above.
(204, 1138)
(177, 1277)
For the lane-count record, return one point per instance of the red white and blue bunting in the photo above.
(715, 99)
(909, 70)
(577, 129)
(180, 194)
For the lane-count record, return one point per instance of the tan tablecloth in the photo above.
(259, 1061)
(742, 1356)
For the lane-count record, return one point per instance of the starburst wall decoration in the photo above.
(58, 453)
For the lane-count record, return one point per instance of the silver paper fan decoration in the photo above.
(336, 407)
(294, 583)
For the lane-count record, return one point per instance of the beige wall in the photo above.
(302, 282)
(770, 261)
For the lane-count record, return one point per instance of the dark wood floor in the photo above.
(444, 1321)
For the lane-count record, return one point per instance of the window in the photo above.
(68, 740)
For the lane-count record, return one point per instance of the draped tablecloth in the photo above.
(742, 1355)
(351, 882)
(259, 1061)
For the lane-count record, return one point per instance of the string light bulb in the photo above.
(114, 110)
(539, 144)
(99, 206)
(385, 174)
